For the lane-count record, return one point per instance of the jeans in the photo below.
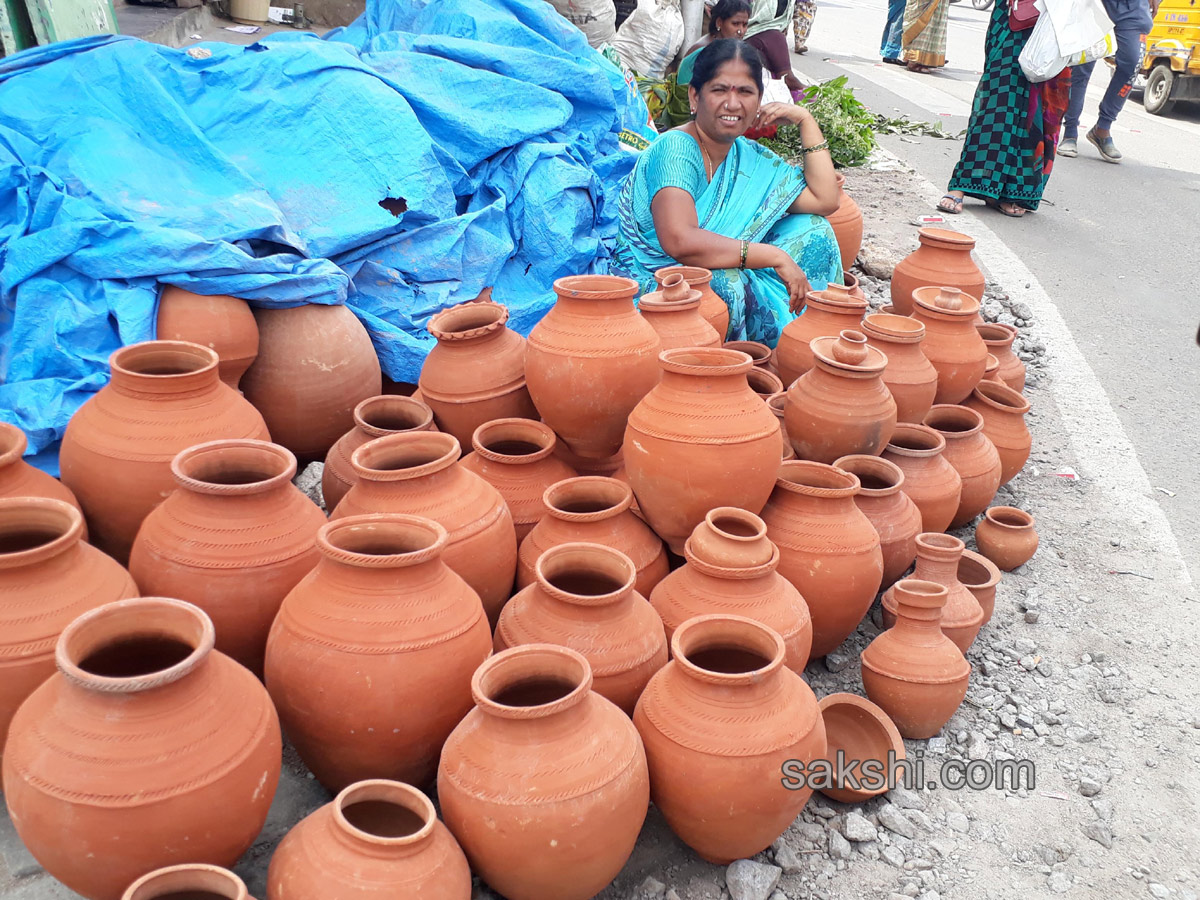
(1131, 19)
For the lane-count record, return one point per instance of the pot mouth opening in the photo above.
(513, 440)
(953, 420)
(12, 443)
(996, 394)
(709, 361)
(925, 594)
(389, 413)
(587, 574)
(895, 327)
(939, 543)
(531, 681)
(163, 359)
(596, 287)
(759, 353)
(406, 454)
(591, 496)
(818, 477)
(693, 275)
(916, 439)
(233, 467)
(459, 321)
(382, 539)
(727, 649)
(876, 477)
(736, 524)
(975, 571)
(188, 882)
(385, 812)
(35, 528)
(1009, 517)
(996, 333)
(777, 402)
(856, 726)
(764, 383)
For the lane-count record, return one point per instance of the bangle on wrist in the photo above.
(824, 145)
(745, 252)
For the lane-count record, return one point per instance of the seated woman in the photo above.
(703, 195)
(729, 19)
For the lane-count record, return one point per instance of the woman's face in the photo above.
(727, 104)
(733, 27)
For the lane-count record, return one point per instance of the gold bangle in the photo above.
(824, 145)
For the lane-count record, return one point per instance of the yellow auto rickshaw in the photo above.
(1171, 62)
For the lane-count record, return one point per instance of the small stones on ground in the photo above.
(788, 859)
(837, 660)
(309, 482)
(958, 822)
(893, 855)
(652, 888)
(1159, 890)
(1059, 881)
(857, 828)
(893, 819)
(1103, 808)
(1089, 787)
(905, 799)
(839, 847)
(750, 880)
(1100, 833)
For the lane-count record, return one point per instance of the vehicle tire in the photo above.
(1159, 85)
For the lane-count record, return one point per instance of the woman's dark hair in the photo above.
(726, 9)
(711, 58)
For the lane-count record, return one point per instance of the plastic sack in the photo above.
(1079, 25)
(597, 19)
(1102, 49)
(651, 37)
(1041, 59)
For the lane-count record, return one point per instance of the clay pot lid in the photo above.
(946, 236)
(1009, 518)
(946, 301)
(37, 528)
(838, 298)
(1000, 396)
(862, 730)
(674, 295)
(174, 881)
(596, 287)
(849, 352)
(893, 328)
(693, 275)
(974, 563)
(467, 321)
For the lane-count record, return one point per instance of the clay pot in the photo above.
(476, 372)
(999, 339)
(606, 467)
(419, 473)
(764, 382)
(584, 599)
(701, 438)
(376, 839)
(544, 783)
(48, 577)
(852, 285)
(1003, 412)
(841, 405)
(829, 550)
(19, 479)
(674, 313)
(116, 455)
(712, 307)
(233, 538)
(980, 576)
(913, 671)
(731, 570)
(225, 324)
(991, 369)
(760, 354)
(929, 480)
(962, 616)
(594, 344)
(374, 417)
(847, 224)
(728, 714)
(777, 403)
(827, 314)
(951, 342)
(1007, 537)
(894, 516)
(315, 364)
(860, 731)
(944, 257)
(515, 457)
(147, 748)
(972, 455)
(189, 882)
(909, 375)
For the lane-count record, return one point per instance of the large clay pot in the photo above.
(938, 556)
(1003, 412)
(943, 258)
(476, 372)
(373, 417)
(590, 360)
(700, 439)
(980, 576)
(193, 881)
(894, 516)
(951, 342)
(584, 599)
(712, 307)
(233, 538)
(732, 570)
(116, 455)
(674, 313)
(515, 456)
(48, 577)
(777, 403)
(544, 783)
(419, 473)
(827, 313)
(929, 480)
(909, 375)
(220, 322)
(594, 510)
(861, 732)
(1007, 537)
(147, 748)
(377, 839)
(999, 339)
(19, 479)
(727, 713)
(840, 406)
(315, 364)
(971, 454)
(370, 659)
(847, 224)
(828, 549)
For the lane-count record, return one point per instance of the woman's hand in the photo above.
(794, 280)
(782, 114)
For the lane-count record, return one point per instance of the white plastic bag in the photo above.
(651, 37)
(1041, 59)
(597, 19)
(1102, 49)
(1055, 44)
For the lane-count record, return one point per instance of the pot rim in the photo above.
(997, 515)
(945, 236)
(529, 430)
(187, 877)
(1010, 333)
(974, 558)
(777, 402)
(810, 471)
(13, 442)
(203, 365)
(614, 562)
(716, 629)
(925, 594)
(837, 298)
(999, 396)
(505, 669)
(946, 412)
(395, 793)
(914, 428)
(411, 442)
(878, 465)
(939, 546)
(184, 463)
(693, 275)
(705, 362)
(767, 378)
(596, 287)
(553, 495)
(758, 352)
(456, 323)
(65, 519)
(893, 329)
(968, 310)
(336, 539)
(383, 402)
(887, 730)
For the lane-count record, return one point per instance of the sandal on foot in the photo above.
(1013, 211)
(955, 207)
(919, 69)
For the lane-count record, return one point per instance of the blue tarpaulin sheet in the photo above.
(399, 165)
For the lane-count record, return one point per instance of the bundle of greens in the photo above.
(845, 122)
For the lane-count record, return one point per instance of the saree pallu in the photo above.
(924, 39)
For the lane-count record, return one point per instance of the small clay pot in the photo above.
(943, 257)
(712, 307)
(759, 353)
(777, 403)
(929, 480)
(909, 375)
(850, 280)
(1003, 411)
(190, 882)
(992, 369)
(979, 575)
(19, 479)
(674, 313)
(962, 616)
(1007, 537)
(999, 340)
(826, 314)
(764, 382)
(860, 731)
(847, 224)
(374, 417)
(892, 512)
(971, 454)
(951, 342)
(226, 324)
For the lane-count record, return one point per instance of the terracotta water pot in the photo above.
(515, 456)
(476, 371)
(980, 576)
(48, 577)
(373, 417)
(1007, 537)
(913, 671)
(674, 313)
(315, 364)
(225, 324)
(999, 339)
(701, 438)
(189, 882)
(851, 281)
(847, 223)
(116, 455)
(829, 550)
(951, 342)
(728, 714)
(943, 257)
(777, 403)
(584, 599)
(19, 479)
(147, 748)
(712, 307)
(840, 406)
(764, 382)
(590, 360)
(377, 839)
(370, 659)
(909, 375)
(827, 313)
(594, 510)
(929, 480)
(760, 354)
(861, 732)
(973, 456)
(991, 370)
(894, 516)
(1003, 412)
(544, 783)
(962, 616)
(419, 473)
(731, 569)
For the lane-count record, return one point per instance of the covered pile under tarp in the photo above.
(400, 165)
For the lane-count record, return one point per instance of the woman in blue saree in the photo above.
(704, 195)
